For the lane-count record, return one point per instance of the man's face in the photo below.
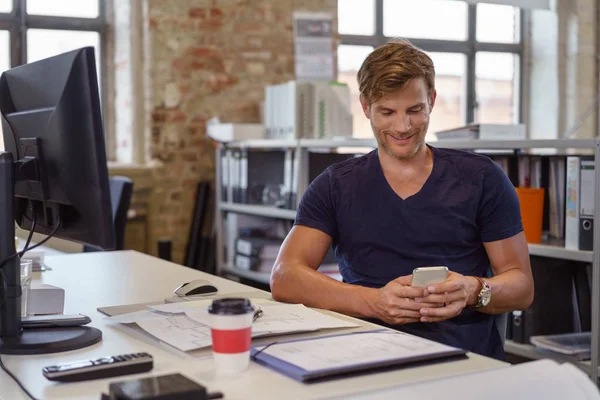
(400, 119)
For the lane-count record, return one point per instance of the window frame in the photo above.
(18, 22)
(469, 48)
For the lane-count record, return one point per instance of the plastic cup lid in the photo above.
(230, 306)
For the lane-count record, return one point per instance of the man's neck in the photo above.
(420, 162)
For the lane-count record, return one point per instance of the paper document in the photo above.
(362, 348)
(179, 331)
(542, 379)
(185, 326)
(131, 318)
(181, 307)
(284, 318)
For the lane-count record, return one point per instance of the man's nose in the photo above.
(402, 123)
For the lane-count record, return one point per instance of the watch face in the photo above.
(486, 296)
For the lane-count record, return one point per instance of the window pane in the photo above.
(6, 6)
(44, 43)
(356, 17)
(350, 58)
(496, 88)
(64, 8)
(4, 65)
(498, 23)
(427, 19)
(450, 81)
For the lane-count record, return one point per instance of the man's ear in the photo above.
(365, 107)
(432, 99)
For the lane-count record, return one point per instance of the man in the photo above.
(408, 205)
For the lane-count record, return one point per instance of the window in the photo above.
(350, 58)
(35, 29)
(476, 49)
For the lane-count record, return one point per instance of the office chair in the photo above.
(121, 191)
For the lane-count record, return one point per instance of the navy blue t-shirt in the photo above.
(377, 236)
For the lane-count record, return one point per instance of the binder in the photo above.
(586, 204)
(572, 203)
(234, 173)
(243, 171)
(287, 177)
(417, 350)
(225, 156)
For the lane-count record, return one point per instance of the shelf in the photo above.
(529, 351)
(262, 277)
(517, 144)
(552, 249)
(261, 211)
(450, 144)
(263, 143)
(558, 250)
(341, 142)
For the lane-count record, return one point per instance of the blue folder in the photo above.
(303, 375)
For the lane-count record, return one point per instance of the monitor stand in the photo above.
(13, 338)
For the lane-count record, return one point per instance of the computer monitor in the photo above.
(53, 180)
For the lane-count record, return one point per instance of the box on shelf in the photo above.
(229, 132)
(311, 110)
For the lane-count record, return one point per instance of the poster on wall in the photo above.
(313, 46)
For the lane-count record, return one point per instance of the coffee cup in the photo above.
(231, 333)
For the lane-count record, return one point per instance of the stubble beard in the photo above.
(381, 137)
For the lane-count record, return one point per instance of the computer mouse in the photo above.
(198, 286)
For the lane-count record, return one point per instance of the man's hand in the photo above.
(455, 294)
(399, 303)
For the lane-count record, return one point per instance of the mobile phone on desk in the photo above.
(425, 276)
(54, 320)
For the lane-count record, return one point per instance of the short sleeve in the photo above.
(499, 213)
(315, 209)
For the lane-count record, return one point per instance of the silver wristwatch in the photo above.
(485, 295)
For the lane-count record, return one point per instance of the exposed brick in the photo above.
(176, 116)
(216, 13)
(200, 52)
(197, 12)
(158, 116)
(219, 54)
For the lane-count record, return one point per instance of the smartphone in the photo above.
(425, 276)
(53, 320)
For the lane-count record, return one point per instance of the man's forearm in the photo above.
(302, 284)
(511, 290)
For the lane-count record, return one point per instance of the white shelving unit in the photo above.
(531, 352)
(551, 249)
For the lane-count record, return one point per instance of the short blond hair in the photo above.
(391, 66)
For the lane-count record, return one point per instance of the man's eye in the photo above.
(416, 110)
(387, 112)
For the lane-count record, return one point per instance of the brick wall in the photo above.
(207, 58)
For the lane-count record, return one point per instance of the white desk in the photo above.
(92, 280)
(48, 251)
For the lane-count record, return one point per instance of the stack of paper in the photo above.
(577, 345)
(185, 325)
